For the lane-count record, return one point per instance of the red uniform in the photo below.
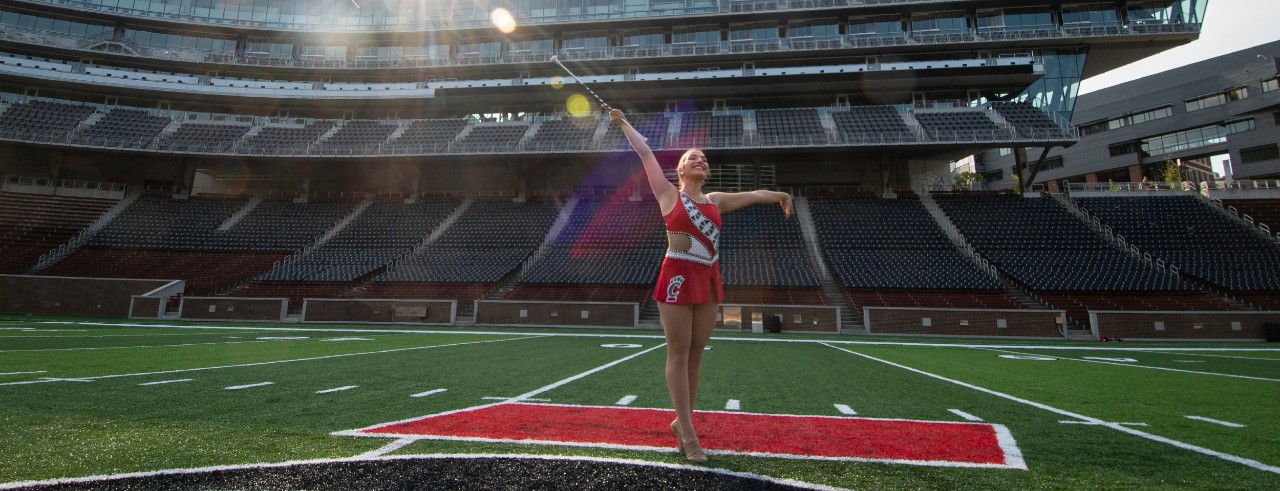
(687, 277)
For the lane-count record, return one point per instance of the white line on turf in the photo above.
(248, 386)
(162, 382)
(337, 389)
(964, 415)
(125, 347)
(56, 379)
(827, 342)
(733, 405)
(429, 393)
(1223, 356)
(846, 410)
(273, 362)
(24, 373)
(1217, 421)
(1213, 374)
(527, 396)
(508, 399)
(1186, 446)
(386, 449)
(626, 400)
(1093, 423)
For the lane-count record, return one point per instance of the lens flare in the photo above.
(557, 82)
(503, 20)
(578, 105)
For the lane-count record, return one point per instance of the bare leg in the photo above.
(687, 329)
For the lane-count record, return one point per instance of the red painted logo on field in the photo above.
(810, 437)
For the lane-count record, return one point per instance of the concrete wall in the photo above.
(795, 318)
(557, 314)
(1241, 326)
(964, 322)
(368, 311)
(233, 308)
(58, 295)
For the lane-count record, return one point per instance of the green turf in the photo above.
(112, 424)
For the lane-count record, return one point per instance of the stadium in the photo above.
(289, 244)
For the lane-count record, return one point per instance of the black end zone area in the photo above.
(436, 473)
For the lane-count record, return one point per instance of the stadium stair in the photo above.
(850, 318)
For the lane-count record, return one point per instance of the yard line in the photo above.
(429, 393)
(24, 373)
(168, 381)
(527, 396)
(508, 398)
(1115, 426)
(337, 389)
(733, 405)
(1140, 366)
(846, 410)
(274, 362)
(1090, 423)
(124, 347)
(964, 415)
(249, 386)
(1223, 356)
(388, 448)
(1217, 422)
(626, 401)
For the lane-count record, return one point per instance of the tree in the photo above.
(1172, 173)
(965, 180)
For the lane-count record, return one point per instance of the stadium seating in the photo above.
(872, 124)
(42, 120)
(285, 140)
(210, 138)
(359, 137)
(705, 129)
(790, 127)
(1029, 121)
(1190, 234)
(33, 224)
(565, 134)
(960, 126)
(124, 128)
(652, 126)
(607, 241)
(426, 136)
(891, 252)
(1261, 211)
(492, 138)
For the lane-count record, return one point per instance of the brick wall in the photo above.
(57, 295)
(794, 317)
(379, 311)
(232, 308)
(577, 314)
(1182, 325)
(963, 322)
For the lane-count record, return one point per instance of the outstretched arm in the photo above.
(728, 202)
(666, 192)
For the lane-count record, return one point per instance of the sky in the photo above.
(1229, 25)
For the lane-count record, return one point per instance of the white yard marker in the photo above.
(24, 373)
(337, 389)
(250, 386)
(1098, 423)
(1217, 421)
(531, 399)
(626, 401)
(1135, 366)
(964, 415)
(846, 410)
(733, 405)
(1045, 407)
(429, 393)
(168, 381)
(56, 379)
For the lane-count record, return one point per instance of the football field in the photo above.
(85, 400)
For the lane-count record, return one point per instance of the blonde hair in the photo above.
(685, 158)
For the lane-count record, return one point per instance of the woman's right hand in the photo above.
(615, 115)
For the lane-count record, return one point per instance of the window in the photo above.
(1126, 120)
(761, 31)
(1098, 14)
(697, 34)
(1217, 98)
(1259, 154)
(942, 21)
(813, 28)
(875, 26)
(1270, 85)
(642, 37)
(1193, 138)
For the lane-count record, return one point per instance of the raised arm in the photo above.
(728, 202)
(666, 192)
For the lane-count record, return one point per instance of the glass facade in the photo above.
(36, 23)
(1056, 91)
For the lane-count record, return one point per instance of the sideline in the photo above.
(1087, 419)
(1132, 365)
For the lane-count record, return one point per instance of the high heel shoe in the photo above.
(692, 450)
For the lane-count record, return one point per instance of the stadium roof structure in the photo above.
(878, 94)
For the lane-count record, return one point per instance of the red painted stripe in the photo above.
(806, 436)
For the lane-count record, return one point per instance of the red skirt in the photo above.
(688, 283)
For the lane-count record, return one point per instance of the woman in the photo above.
(689, 289)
